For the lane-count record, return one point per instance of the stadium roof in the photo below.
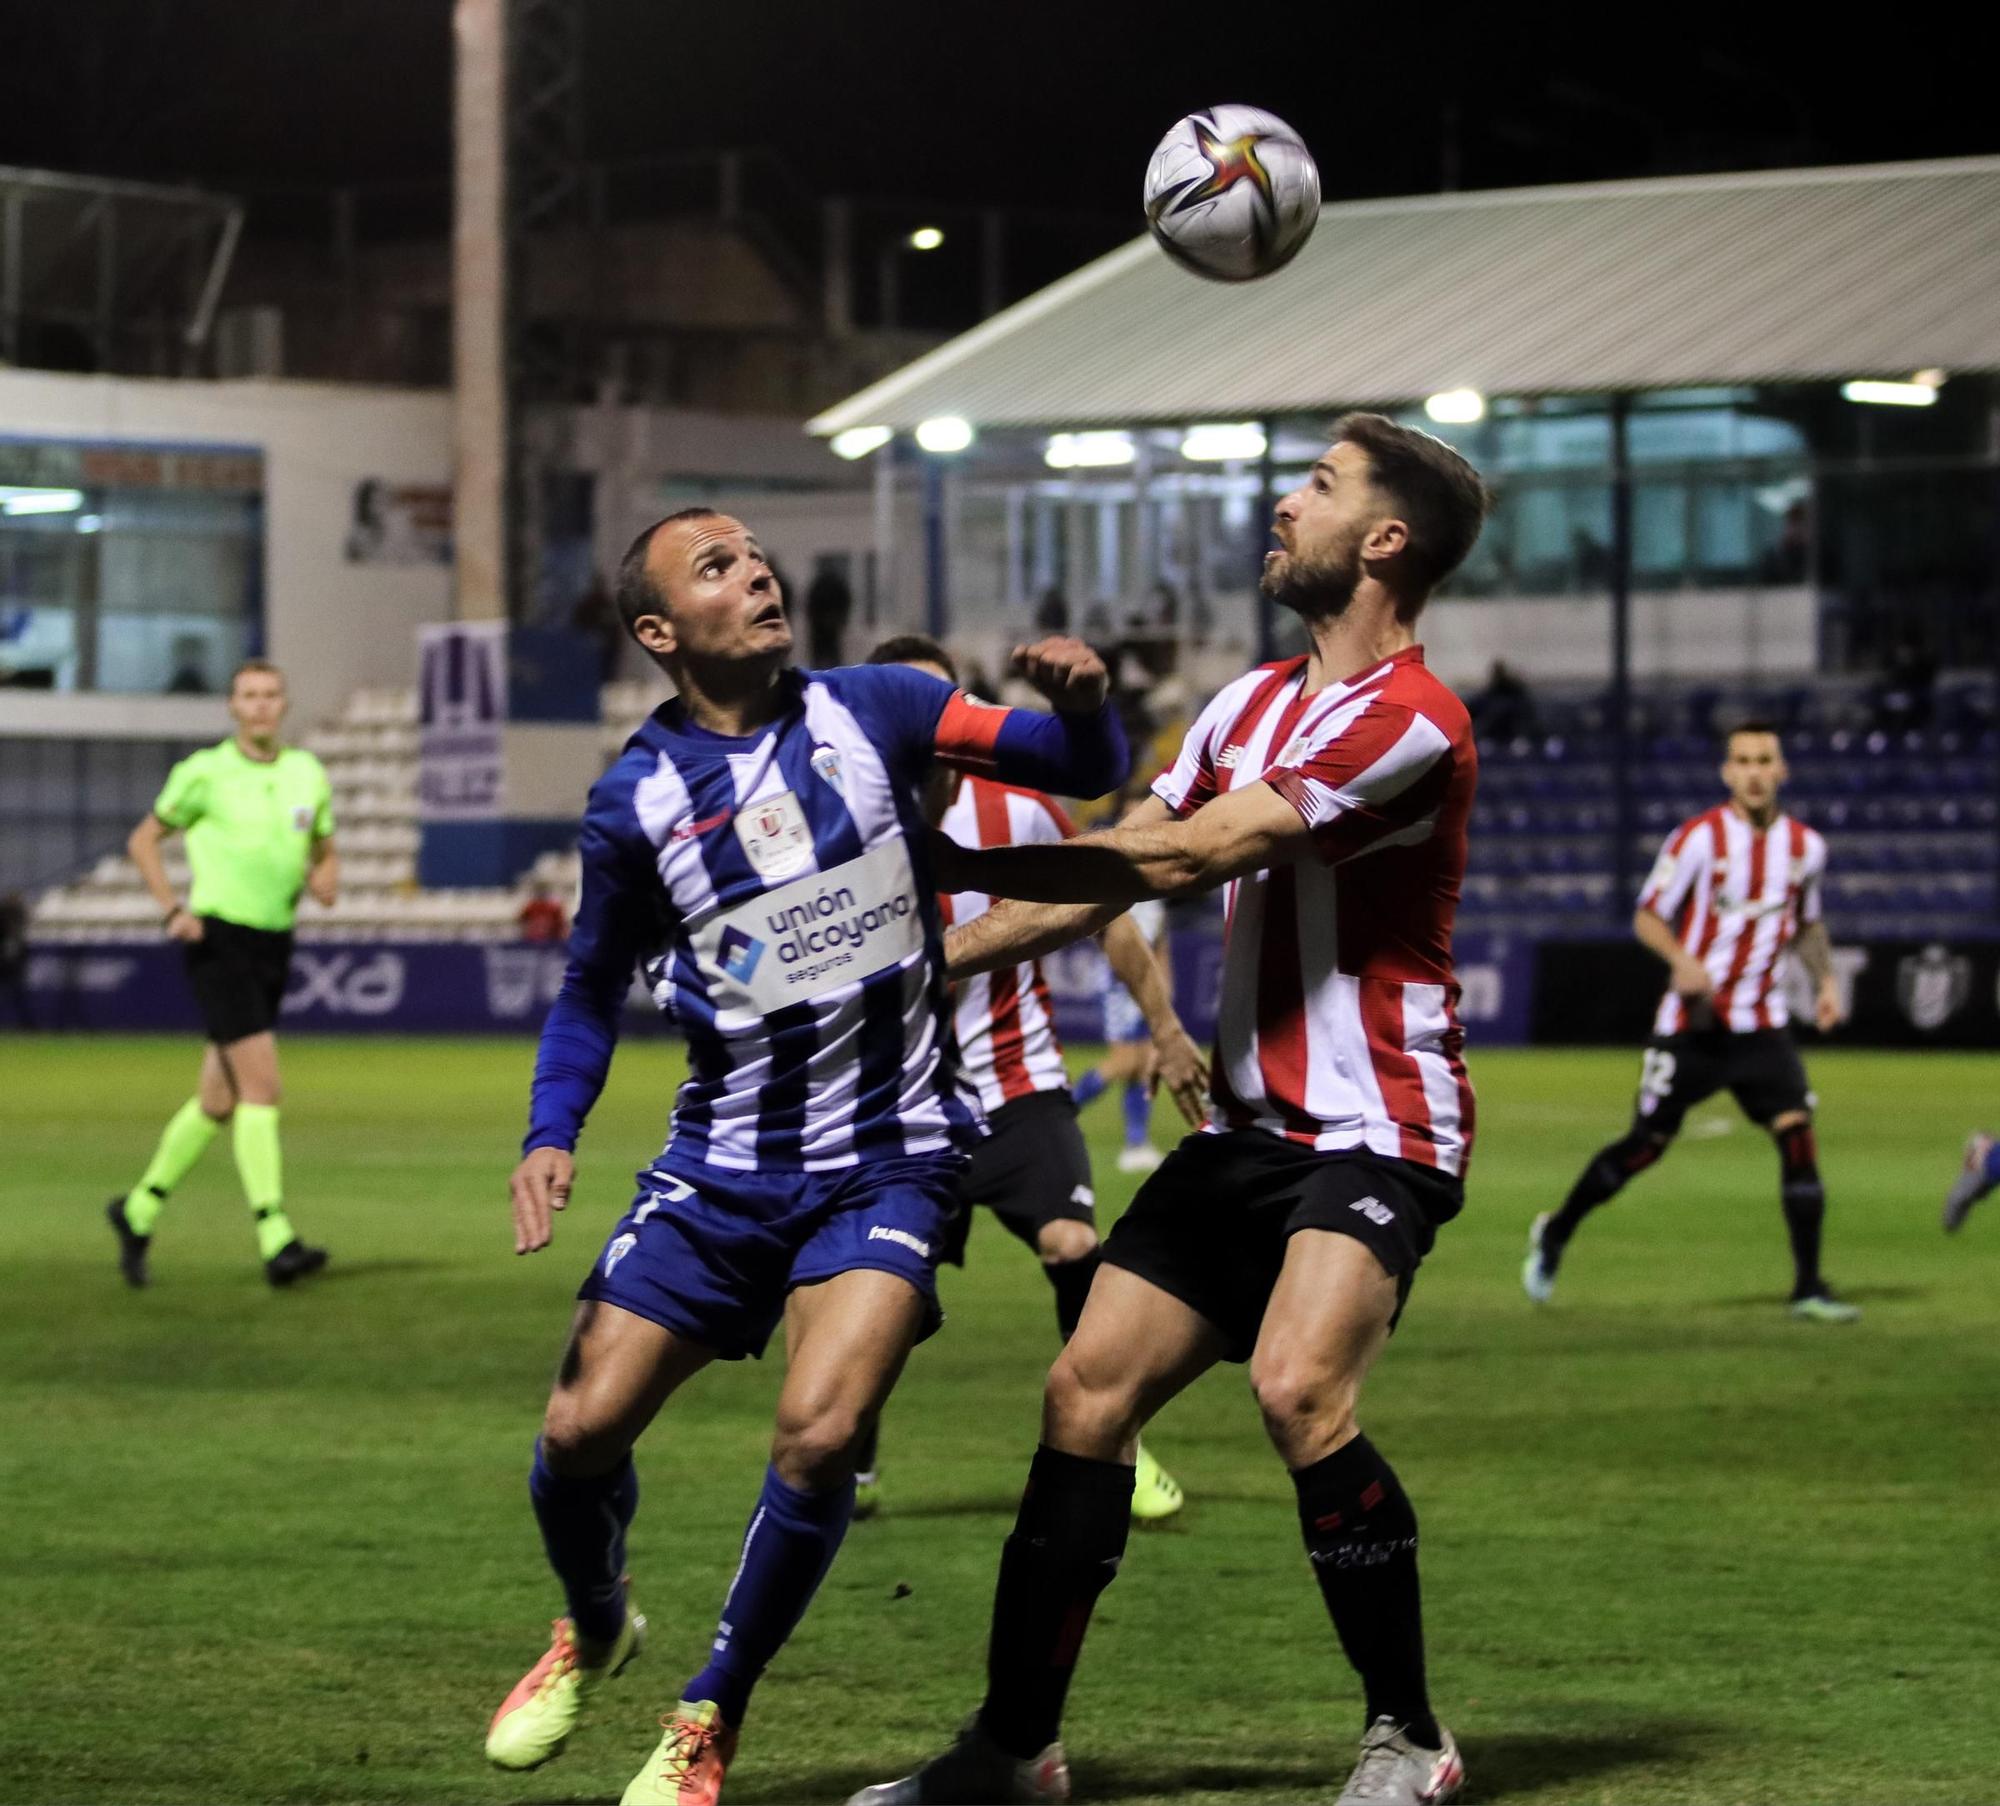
(1791, 275)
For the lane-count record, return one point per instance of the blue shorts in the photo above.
(1123, 1019)
(713, 1254)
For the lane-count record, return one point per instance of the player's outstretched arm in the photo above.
(1078, 749)
(1149, 855)
(1011, 932)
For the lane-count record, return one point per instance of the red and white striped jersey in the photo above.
(1338, 1026)
(1006, 1026)
(1735, 897)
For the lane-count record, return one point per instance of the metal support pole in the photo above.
(1625, 826)
(881, 598)
(936, 603)
(837, 267)
(13, 252)
(1259, 542)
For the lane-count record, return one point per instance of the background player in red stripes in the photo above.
(1330, 793)
(1731, 892)
(1033, 1170)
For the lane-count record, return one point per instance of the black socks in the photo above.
(1804, 1199)
(1068, 1541)
(1071, 1279)
(1362, 1537)
(1602, 1181)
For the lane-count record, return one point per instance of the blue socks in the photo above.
(1993, 1164)
(1089, 1088)
(583, 1522)
(1138, 1114)
(787, 1550)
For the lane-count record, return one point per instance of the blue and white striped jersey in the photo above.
(777, 888)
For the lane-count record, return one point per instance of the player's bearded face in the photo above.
(1315, 574)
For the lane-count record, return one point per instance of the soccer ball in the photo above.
(1232, 193)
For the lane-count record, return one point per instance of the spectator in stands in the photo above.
(543, 918)
(829, 606)
(1789, 557)
(1906, 698)
(1505, 709)
(1052, 611)
(190, 676)
(595, 618)
(14, 956)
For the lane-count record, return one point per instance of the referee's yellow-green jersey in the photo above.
(251, 826)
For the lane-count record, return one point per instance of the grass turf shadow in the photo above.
(1504, 1764)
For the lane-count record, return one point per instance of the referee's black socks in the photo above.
(1361, 1534)
(1068, 1541)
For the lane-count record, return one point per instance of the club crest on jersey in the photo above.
(302, 819)
(826, 762)
(776, 836)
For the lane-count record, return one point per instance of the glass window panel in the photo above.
(1660, 533)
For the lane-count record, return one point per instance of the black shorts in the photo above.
(1211, 1225)
(1761, 1069)
(238, 975)
(1033, 1169)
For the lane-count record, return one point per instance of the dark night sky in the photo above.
(1028, 102)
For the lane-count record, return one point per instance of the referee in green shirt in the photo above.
(258, 816)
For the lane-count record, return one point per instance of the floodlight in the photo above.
(859, 441)
(1456, 407)
(947, 433)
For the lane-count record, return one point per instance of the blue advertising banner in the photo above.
(461, 988)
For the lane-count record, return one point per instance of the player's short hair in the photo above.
(910, 648)
(1750, 724)
(635, 592)
(1443, 500)
(253, 667)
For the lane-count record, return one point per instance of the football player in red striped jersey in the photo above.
(1330, 794)
(1734, 889)
(1033, 1170)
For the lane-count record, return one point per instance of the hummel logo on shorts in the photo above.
(1375, 1211)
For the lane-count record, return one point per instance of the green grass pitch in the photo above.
(276, 1547)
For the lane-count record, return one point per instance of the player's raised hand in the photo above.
(1066, 671)
(540, 1186)
(1178, 1066)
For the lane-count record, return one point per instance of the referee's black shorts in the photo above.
(1212, 1224)
(238, 975)
(1031, 1170)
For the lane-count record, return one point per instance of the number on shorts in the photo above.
(1656, 1078)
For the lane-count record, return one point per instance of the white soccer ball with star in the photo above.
(1232, 193)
